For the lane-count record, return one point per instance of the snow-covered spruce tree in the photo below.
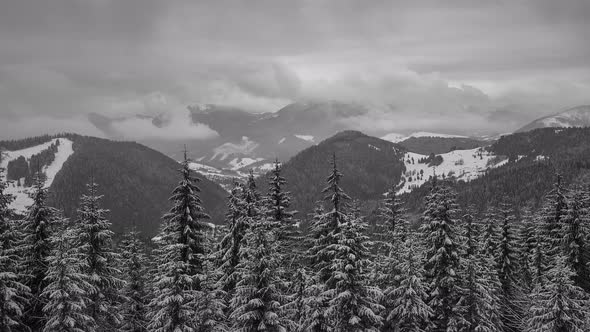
(576, 234)
(181, 252)
(490, 235)
(539, 261)
(511, 295)
(527, 238)
(257, 304)
(13, 292)
(327, 226)
(277, 209)
(299, 291)
(96, 248)
(315, 300)
(407, 309)
(253, 204)
(324, 231)
(353, 305)
(134, 269)
(559, 305)
(39, 225)
(391, 232)
(278, 200)
(210, 311)
(552, 216)
(228, 251)
(480, 302)
(68, 288)
(441, 261)
(393, 217)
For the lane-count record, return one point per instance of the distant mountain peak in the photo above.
(578, 116)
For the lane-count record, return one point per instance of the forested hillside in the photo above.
(373, 164)
(135, 180)
(534, 159)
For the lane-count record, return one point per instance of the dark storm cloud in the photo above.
(64, 59)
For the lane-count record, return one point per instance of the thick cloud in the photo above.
(490, 64)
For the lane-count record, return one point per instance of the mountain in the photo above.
(531, 160)
(519, 167)
(574, 117)
(370, 166)
(135, 180)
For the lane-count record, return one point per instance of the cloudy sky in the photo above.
(495, 63)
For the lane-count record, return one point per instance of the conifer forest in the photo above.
(267, 268)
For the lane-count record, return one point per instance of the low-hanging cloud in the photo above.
(488, 65)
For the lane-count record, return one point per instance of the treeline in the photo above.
(25, 168)
(12, 145)
(264, 271)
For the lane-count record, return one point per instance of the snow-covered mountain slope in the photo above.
(574, 117)
(463, 165)
(397, 138)
(20, 192)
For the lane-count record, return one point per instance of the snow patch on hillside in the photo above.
(245, 146)
(308, 138)
(394, 137)
(463, 165)
(21, 194)
(238, 163)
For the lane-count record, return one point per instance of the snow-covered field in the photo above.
(21, 194)
(464, 165)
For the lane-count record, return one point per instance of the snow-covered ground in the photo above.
(464, 165)
(21, 194)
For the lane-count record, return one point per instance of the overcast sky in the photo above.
(478, 60)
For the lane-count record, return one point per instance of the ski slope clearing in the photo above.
(20, 193)
(463, 165)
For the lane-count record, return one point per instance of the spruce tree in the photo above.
(393, 218)
(407, 309)
(13, 292)
(552, 216)
(134, 269)
(68, 287)
(315, 299)
(212, 304)
(441, 257)
(228, 252)
(325, 229)
(391, 232)
(95, 241)
(559, 305)
(278, 200)
(507, 265)
(257, 304)
(480, 303)
(277, 204)
(181, 253)
(527, 238)
(353, 304)
(327, 226)
(297, 307)
(576, 235)
(40, 224)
